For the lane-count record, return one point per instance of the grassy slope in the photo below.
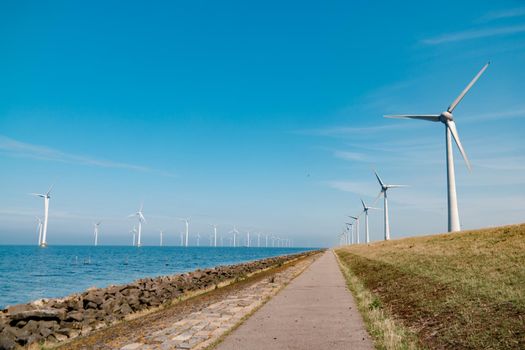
(462, 290)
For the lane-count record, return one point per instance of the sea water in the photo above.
(28, 272)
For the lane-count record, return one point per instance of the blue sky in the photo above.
(265, 115)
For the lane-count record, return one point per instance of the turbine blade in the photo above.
(452, 127)
(50, 188)
(353, 217)
(37, 195)
(428, 117)
(469, 86)
(131, 215)
(396, 186)
(377, 197)
(379, 179)
(363, 202)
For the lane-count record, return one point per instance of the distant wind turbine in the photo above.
(248, 238)
(134, 232)
(39, 230)
(47, 196)
(140, 217)
(235, 232)
(161, 234)
(214, 234)
(356, 218)
(187, 225)
(350, 229)
(384, 189)
(95, 232)
(447, 119)
(365, 210)
(258, 239)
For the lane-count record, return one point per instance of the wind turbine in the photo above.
(133, 231)
(95, 232)
(447, 118)
(350, 229)
(248, 238)
(384, 189)
(235, 232)
(161, 233)
(266, 240)
(140, 217)
(43, 242)
(356, 218)
(258, 239)
(214, 234)
(365, 210)
(198, 239)
(187, 223)
(39, 230)
(181, 239)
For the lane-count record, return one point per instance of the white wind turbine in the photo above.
(187, 225)
(47, 196)
(161, 234)
(235, 233)
(356, 218)
(248, 238)
(447, 118)
(266, 240)
(350, 228)
(214, 234)
(365, 210)
(384, 189)
(181, 239)
(134, 232)
(258, 239)
(140, 217)
(39, 230)
(95, 232)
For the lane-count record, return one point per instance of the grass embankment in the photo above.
(461, 290)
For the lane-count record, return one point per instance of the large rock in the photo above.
(39, 314)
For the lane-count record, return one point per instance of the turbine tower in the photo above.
(47, 196)
(39, 230)
(214, 234)
(161, 234)
(140, 217)
(258, 240)
(187, 224)
(447, 119)
(384, 189)
(365, 210)
(350, 229)
(95, 227)
(248, 238)
(356, 218)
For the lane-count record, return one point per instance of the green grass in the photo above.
(458, 291)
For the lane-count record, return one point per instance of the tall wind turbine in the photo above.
(384, 189)
(365, 210)
(187, 224)
(248, 238)
(43, 242)
(214, 234)
(161, 234)
(447, 119)
(140, 217)
(356, 218)
(95, 232)
(39, 230)
(235, 232)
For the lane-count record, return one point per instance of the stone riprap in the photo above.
(56, 320)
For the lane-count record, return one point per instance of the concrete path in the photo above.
(315, 311)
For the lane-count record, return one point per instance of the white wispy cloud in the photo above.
(15, 148)
(518, 112)
(502, 14)
(474, 34)
(347, 155)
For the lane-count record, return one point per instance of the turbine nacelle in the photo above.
(445, 117)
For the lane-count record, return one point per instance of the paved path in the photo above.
(205, 326)
(315, 311)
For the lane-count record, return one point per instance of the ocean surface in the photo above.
(28, 272)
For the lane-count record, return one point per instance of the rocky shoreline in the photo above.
(57, 320)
